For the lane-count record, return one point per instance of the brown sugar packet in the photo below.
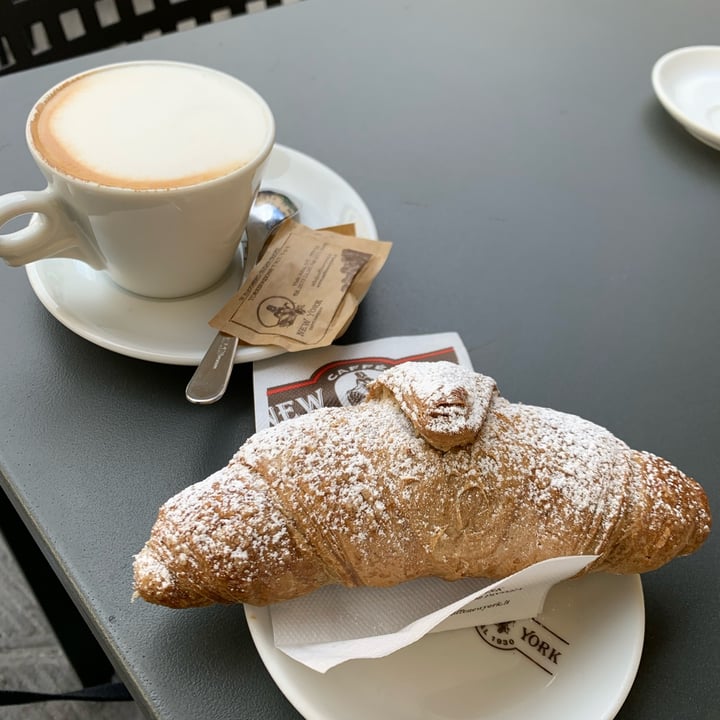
(306, 289)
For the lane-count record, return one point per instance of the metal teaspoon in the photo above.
(211, 377)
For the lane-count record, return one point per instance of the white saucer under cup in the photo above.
(687, 84)
(176, 331)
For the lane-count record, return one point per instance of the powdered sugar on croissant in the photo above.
(434, 475)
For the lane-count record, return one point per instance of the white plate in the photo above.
(595, 625)
(177, 331)
(687, 83)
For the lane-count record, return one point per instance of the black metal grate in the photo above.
(37, 32)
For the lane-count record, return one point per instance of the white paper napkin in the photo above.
(299, 383)
(335, 624)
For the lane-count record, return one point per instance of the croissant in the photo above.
(434, 474)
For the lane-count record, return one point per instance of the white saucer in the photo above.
(596, 624)
(687, 83)
(177, 331)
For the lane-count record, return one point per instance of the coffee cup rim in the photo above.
(90, 184)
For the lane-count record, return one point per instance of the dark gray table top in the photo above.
(541, 203)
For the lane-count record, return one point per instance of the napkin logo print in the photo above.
(531, 638)
(353, 387)
(339, 383)
(278, 311)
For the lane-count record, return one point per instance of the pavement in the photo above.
(32, 659)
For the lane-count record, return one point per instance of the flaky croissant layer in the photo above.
(434, 474)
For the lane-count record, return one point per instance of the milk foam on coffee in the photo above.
(151, 126)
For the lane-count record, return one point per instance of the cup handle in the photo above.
(51, 233)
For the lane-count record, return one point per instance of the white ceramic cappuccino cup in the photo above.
(152, 168)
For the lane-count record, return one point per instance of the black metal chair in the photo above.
(37, 32)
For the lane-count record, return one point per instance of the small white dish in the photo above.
(176, 331)
(687, 83)
(594, 627)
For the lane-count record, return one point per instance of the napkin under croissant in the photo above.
(434, 474)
